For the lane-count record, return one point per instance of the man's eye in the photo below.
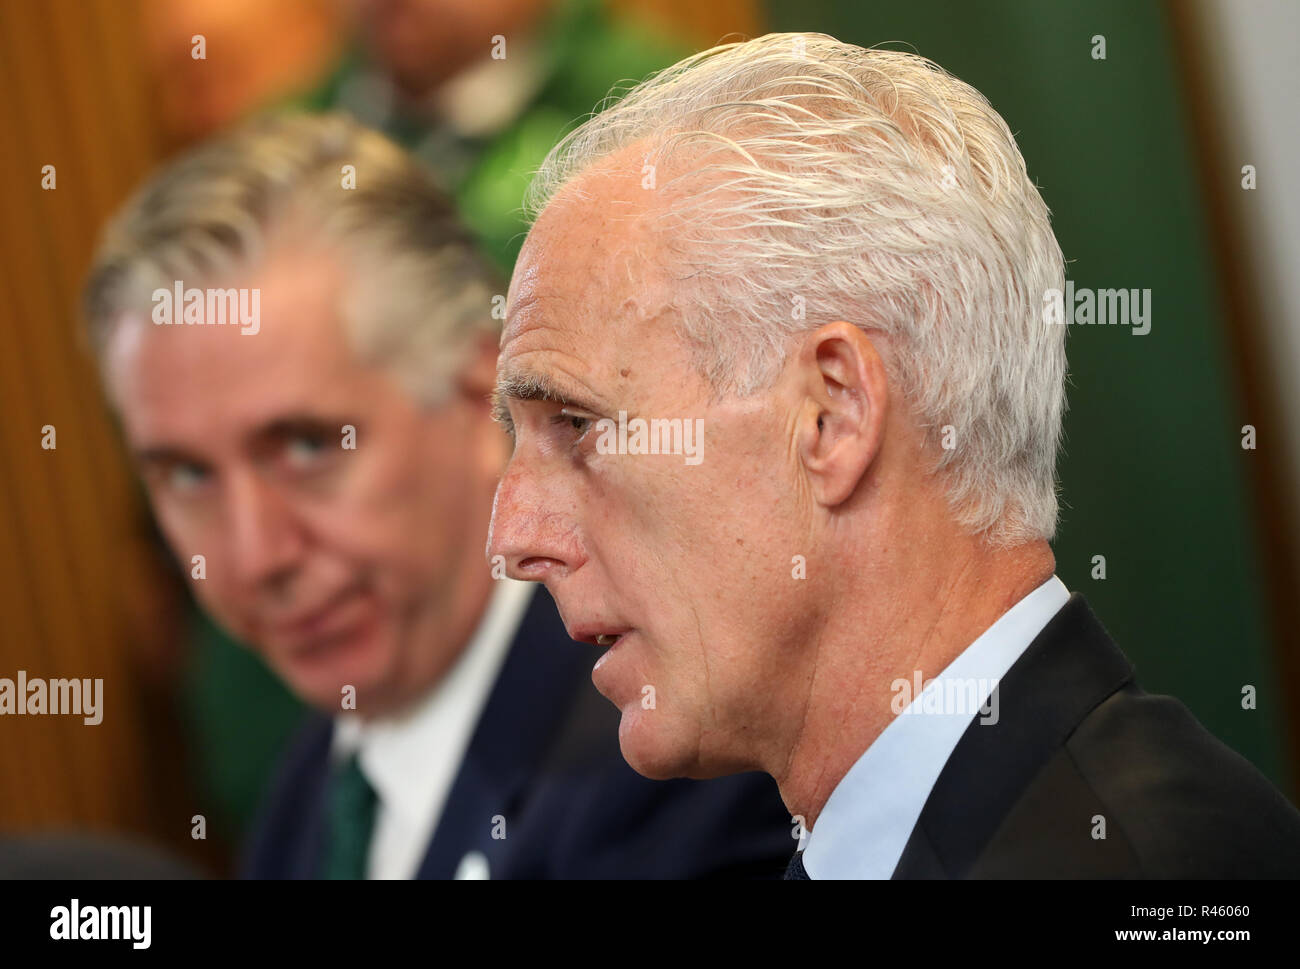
(304, 452)
(185, 478)
(579, 424)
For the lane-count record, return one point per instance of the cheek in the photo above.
(195, 531)
(690, 520)
(379, 508)
(233, 607)
(726, 582)
(189, 533)
(184, 536)
(402, 520)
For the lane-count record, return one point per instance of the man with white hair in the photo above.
(324, 471)
(834, 261)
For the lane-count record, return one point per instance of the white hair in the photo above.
(816, 181)
(420, 293)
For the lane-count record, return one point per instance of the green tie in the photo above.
(349, 819)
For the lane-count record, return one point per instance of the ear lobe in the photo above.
(843, 421)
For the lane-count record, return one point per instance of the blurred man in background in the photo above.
(298, 337)
(479, 91)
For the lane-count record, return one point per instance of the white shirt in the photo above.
(412, 760)
(866, 822)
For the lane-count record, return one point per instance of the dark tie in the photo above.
(350, 817)
(795, 871)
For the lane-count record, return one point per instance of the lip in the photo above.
(591, 634)
(328, 618)
(602, 675)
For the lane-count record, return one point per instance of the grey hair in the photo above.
(420, 290)
(817, 181)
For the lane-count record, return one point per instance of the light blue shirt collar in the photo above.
(866, 822)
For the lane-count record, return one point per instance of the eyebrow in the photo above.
(529, 385)
(296, 425)
(271, 433)
(165, 455)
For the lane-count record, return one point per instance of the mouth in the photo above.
(598, 636)
(336, 615)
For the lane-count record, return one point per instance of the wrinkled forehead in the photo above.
(639, 230)
(590, 270)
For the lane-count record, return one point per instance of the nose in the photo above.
(265, 539)
(533, 528)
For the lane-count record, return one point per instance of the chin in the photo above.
(661, 749)
(651, 746)
(319, 679)
(323, 689)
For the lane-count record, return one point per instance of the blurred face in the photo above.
(425, 42)
(687, 565)
(342, 558)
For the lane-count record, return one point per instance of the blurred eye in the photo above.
(185, 478)
(303, 452)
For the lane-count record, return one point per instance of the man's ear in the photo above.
(842, 423)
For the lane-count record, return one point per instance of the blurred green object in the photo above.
(1153, 476)
(242, 716)
(583, 52)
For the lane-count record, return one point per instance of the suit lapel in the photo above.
(528, 704)
(1069, 668)
(307, 859)
(290, 832)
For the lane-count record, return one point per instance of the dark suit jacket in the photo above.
(545, 756)
(1078, 739)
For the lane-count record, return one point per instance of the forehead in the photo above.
(591, 293)
(198, 382)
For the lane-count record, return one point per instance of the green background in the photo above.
(1153, 474)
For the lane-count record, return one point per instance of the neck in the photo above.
(931, 608)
